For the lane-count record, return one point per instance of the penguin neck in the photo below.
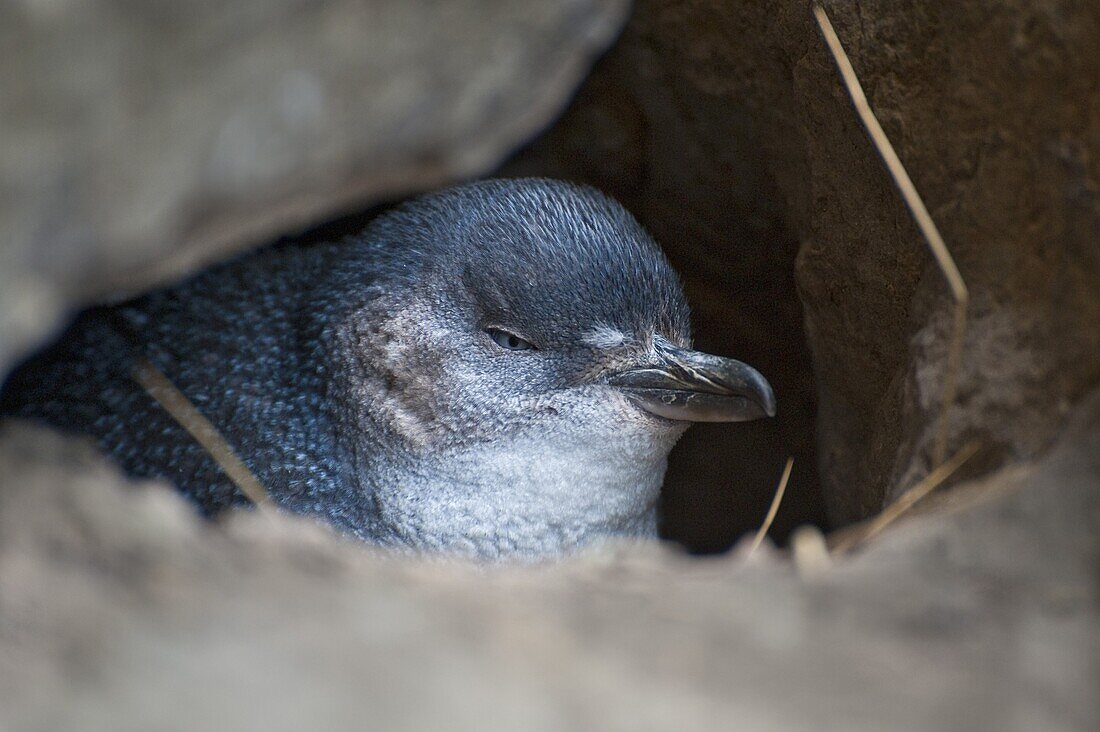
(518, 498)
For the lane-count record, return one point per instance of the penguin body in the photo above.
(497, 370)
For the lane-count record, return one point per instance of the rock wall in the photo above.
(994, 107)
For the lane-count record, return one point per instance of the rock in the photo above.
(139, 141)
(119, 610)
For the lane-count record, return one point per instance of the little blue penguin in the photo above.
(496, 371)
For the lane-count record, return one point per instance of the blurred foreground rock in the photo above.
(141, 140)
(119, 610)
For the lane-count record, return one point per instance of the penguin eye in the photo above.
(509, 341)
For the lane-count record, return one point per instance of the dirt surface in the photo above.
(993, 106)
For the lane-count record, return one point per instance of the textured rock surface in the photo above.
(142, 139)
(725, 127)
(994, 107)
(120, 611)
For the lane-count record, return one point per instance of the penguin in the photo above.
(495, 371)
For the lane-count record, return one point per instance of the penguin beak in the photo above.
(691, 386)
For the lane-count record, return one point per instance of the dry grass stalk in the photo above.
(206, 434)
(773, 509)
(924, 221)
(907, 500)
(810, 552)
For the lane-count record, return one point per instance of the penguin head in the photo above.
(523, 360)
